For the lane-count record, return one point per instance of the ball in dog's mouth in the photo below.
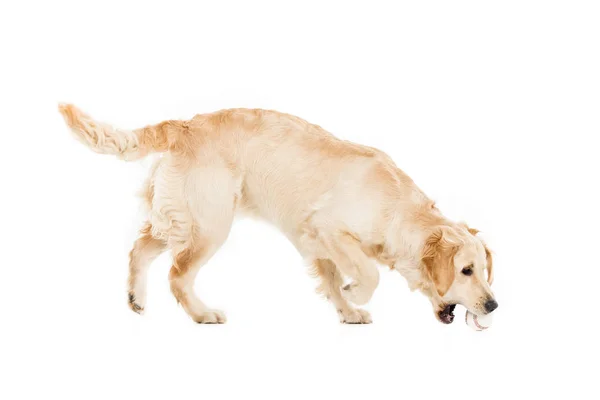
(447, 314)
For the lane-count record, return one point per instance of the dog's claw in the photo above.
(133, 305)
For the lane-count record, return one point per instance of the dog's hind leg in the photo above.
(145, 250)
(212, 192)
(186, 265)
(331, 286)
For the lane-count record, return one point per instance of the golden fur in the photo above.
(345, 207)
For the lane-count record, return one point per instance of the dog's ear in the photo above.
(488, 257)
(438, 258)
(490, 266)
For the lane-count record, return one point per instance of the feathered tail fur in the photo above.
(125, 144)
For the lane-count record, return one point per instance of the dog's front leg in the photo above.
(347, 254)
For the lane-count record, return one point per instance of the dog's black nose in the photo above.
(490, 305)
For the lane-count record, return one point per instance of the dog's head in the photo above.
(456, 262)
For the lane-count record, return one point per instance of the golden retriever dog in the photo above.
(345, 207)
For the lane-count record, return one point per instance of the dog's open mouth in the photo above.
(447, 314)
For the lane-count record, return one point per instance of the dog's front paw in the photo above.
(357, 293)
(355, 316)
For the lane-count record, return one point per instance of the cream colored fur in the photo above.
(345, 207)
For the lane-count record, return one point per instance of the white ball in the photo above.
(478, 322)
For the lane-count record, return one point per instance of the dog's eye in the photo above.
(468, 271)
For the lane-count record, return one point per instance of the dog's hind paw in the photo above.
(211, 317)
(133, 304)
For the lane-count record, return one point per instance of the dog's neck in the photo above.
(407, 234)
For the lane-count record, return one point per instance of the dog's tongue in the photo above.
(447, 314)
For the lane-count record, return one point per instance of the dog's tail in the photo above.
(125, 144)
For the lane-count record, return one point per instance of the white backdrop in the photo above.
(491, 107)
